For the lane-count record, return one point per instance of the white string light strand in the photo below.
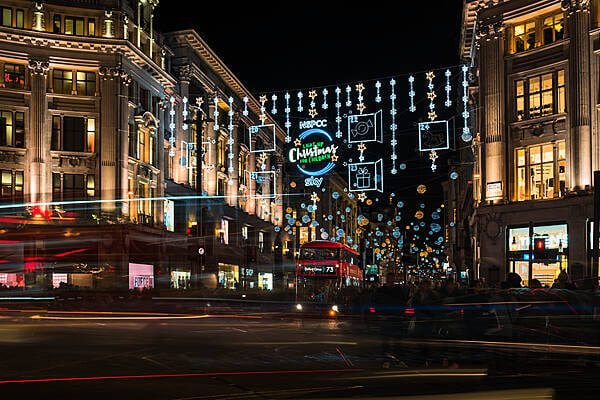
(274, 109)
(216, 114)
(348, 101)
(184, 113)
(338, 119)
(245, 112)
(360, 106)
(230, 141)
(466, 134)
(393, 126)
(288, 124)
(448, 102)
(172, 127)
(325, 106)
(378, 95)
(263, 109)
(411, 94)
(300, 108)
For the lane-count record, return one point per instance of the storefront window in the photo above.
(546, 264)
(180, 279)
(265, 280)
(229, 276)
(141, 276)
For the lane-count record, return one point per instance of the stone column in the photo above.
(123, 152)
(109, 130)
(580, 157)
(266, 205)
(235, 173)
(38, 149)
(491, 76)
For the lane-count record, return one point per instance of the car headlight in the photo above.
(299, 307)
(335, 308)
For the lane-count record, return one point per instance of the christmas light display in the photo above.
(300, 108)
(216, 126)
(288, 124)
(393, 126)
(411, 94)
(172, 127)
(466, 133)
(245, 112)
(338, 118)
(448, 102)
(378, 95)
(274, 108)
(230, 140)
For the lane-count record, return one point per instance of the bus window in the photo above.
(308, 253)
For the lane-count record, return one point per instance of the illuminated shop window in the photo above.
(11, 189)
(524, 36)
(224, 231)
(540, 95)
(540, 171)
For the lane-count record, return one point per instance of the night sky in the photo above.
(301, 45)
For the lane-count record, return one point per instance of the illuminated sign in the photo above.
(169, 213)
(314, 152)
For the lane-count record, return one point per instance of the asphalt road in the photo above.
(87, 355)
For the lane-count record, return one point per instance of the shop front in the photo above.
(538, 251)
(180, 279)
(265, 280)
(228, 276)
(141, 276)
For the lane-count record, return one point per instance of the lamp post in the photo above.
(199, 121)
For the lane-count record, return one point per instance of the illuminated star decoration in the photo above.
(312, 94)
(313, 112)
(429, 75)
(297, 142)
(361, 147)
(360, 106)
(334, 157)
(431, 95)
(262, 158)
(362, 196)
(432, 115)
(314, 198)
(433, 156)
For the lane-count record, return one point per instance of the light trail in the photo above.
(124, 318)
(92, 378)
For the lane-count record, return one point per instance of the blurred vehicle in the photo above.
(327, 277)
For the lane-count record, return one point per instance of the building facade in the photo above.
(535, 95)
(97, 141)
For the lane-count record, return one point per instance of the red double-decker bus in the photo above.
(327, 275)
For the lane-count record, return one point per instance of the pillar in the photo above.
(109, 122)
(492, 90)
(38, 149)
(580, 156)
(123, 143)
(278, 217)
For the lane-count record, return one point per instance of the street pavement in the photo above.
(129, 355)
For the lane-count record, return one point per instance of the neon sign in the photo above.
(314, 152)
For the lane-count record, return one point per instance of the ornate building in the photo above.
(535, 96)
(92, 159)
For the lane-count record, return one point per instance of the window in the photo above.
(542, 30)
(553, 29)
(73, 133)
(91, 186)
(57, 24)
(91, 134)
(224, 231)
(540, 95)
(20, 19)
(12, 129)
(245, 232)
(261, 241)
(541, 171)
(7, 16)
(74, 26)
(86, 83)
(62, 81)
(132, 141)
(525, 36)
(14, 76)
(73, 187)
(221, 185)
(91, 27)
(242, 168)
(221, 152)
(11, 189)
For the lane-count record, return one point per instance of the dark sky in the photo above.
(290, 45)
(299, 45)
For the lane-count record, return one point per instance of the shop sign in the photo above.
(169, 214)
(142, 282)
(493, 189)
(313, 152)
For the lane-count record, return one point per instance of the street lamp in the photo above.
(199, 121)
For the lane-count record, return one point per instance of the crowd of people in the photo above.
(427, 309)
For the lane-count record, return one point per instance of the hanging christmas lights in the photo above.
(184, 113)
(348, 101)
(172, 127)
(288, 124)
(216, 114)
(325, 106)
(338, 119)
(360, 106)
(466, 133)
(411, 94)
(300, 108)
(378, 95)
(230, 140)
(393, 126)
(245, 112)
(448, 102)
(274, 109)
